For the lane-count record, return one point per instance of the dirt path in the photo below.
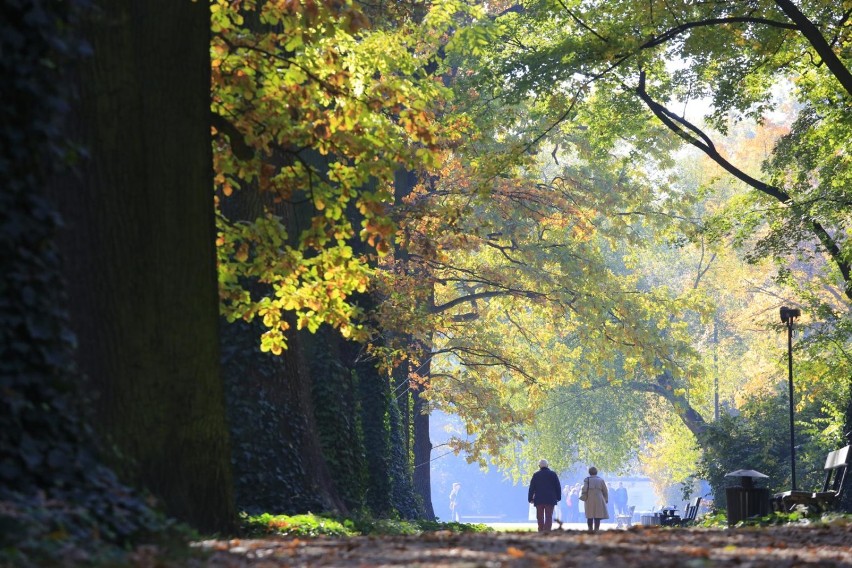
(776, 547)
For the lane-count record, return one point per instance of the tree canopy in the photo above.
(557, 237)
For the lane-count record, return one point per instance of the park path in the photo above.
(771, 547)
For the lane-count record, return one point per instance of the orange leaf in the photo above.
(515, 552)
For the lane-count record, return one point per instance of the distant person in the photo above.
(454, 502)
(610, 511)
(545, 492)
(574, 511)
(619, 499)
(595, 495)
(568, 501)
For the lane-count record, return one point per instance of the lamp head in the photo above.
(789, 314)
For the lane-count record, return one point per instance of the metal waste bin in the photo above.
(746, 500)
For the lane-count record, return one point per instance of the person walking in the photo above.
(544, 493)
(595, 495)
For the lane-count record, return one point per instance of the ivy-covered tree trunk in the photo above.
(363, 442)
(139, 251)
(422, 449)
(278, 450)
(374, 400)
(299, 374)
(55, 494)
(404, 497)
(265, 425)
(337, 410)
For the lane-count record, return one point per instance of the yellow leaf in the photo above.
(242, 253)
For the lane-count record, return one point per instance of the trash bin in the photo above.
(746, 500)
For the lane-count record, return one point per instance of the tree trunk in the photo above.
(139, 247)
(422, 453)
(313, 459)
(294, 443)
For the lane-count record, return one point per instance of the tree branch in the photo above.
(487, 359)
(696, 137)
(664, 388)
(818, 42)
(465, 299)
(676, 31)
(236, 139)
(582, 23)
(481, 296)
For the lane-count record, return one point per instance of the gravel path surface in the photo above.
(773, 547)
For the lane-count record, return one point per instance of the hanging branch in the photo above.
(698, 138)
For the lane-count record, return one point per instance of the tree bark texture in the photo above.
(265, 426)
(139, 252)
(335, 403)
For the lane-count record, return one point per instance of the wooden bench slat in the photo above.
(836, 468)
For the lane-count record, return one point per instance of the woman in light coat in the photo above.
(595, 496)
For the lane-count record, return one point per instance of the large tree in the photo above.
(138, 250)
(315, 108)
(56, 496)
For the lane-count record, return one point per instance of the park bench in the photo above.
(626, 519)
(690, 512)
(836, 466)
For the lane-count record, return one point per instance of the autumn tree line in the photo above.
(250, 245)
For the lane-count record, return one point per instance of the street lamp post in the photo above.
(788, 315)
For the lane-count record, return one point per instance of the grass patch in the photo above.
(309, 525)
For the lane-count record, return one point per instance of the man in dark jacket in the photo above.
(545, 492)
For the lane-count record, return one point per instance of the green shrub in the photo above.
(319, 525)
(296, 525)
(719, 519)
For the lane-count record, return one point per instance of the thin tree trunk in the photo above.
(423, 451)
